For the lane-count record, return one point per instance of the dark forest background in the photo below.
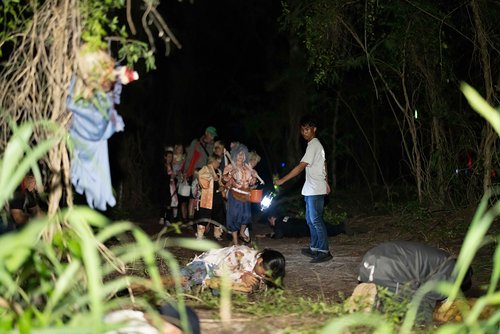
(383, 78)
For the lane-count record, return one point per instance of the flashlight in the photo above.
(268, 199)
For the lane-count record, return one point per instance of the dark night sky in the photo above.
(230, 50)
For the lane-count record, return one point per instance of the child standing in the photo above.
(194, 199)
(171, 202)
(212, 206)
(178, 165)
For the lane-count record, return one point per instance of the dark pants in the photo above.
(218, 211)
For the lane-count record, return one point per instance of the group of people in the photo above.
(224, 179)
(181, 168)
(401, 267)
(211, 185)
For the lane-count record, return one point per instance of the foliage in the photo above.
(399, 60)
(330, 216)
(413, 213)
(18, 157)
(317, 24)
(491, 114)
(392, 308)
(476, 238)
(41, 40)
(100, 25)
(59, 285)
(13, 18)
(278, 302)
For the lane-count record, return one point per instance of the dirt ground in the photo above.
(331, 280)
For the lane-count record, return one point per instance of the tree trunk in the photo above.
(297, 100)
(488, 135)
(333, 161)
(437, 152)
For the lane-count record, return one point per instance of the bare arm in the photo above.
(293, 173)
(328, 189)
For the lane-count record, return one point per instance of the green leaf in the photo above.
(481, 106)
(63, 284)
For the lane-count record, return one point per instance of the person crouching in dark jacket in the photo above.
(404, 266)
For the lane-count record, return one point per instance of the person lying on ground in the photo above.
(289, 227)
(248, 270)
(403, 267)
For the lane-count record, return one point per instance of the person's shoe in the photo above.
(321, 257)
(200, 232)
(162, 221)
(308, 252)
(218, 233)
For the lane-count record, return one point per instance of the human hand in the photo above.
(278, 182)
(249, 279)
(328, 189)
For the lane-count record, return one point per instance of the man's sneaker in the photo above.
(322, 257)
(308, 252)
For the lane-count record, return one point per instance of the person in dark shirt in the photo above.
(25, 203)
(288, 227)
(404, 266)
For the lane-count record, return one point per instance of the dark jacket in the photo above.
(403, 266)
(288, 227)
(396, 263)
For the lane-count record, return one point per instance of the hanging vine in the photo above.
(40, 41)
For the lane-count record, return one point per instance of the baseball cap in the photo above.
(212, 131)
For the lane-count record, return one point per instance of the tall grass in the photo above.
(477, 236)
(65, 285)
